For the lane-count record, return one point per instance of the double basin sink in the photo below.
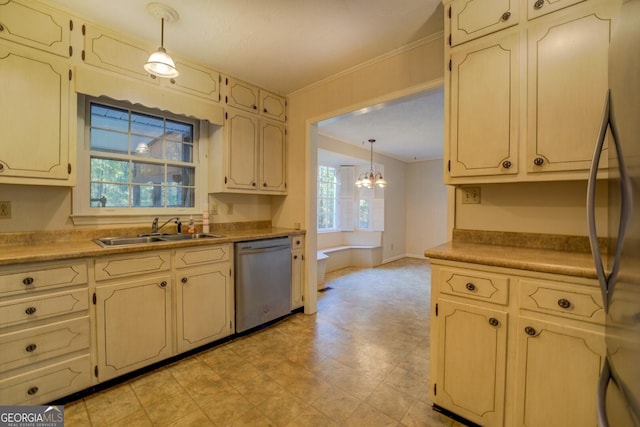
(142, 239)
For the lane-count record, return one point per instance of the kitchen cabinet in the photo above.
(250, 157)
(471, 19)
(44, 332)
(515, 347)
(242, 95)
(36, 89)
(205, 295)
(484, 107)
(42, 28)
(297, 272)
(536, 8)
(133, 312)
(108, 50)
(524, 103)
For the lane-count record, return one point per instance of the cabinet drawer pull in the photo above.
(264, 110)
(564, 303)
(505, 16)
(295, 257)
(30, 310)
(506, 164)
(538, 161)
(31, 348)
(184, 280)
(32, 391)
(163, 284)
(254, 106)
(493, 321)
(1, 168)
(28, 281)
(538, 4)
(470, 287)
(264, 184)
(253, 184)
(530, 331)
(1, 27)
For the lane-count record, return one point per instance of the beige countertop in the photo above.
(21, 253)
(545, 260)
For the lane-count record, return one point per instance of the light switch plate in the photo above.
(470, 195)
(5, 210)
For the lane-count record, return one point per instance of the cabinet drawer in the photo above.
(124, 266)
(48, 383)
(41, 343)
(476, 285)
(14, 281)
(297, 242)
(574, 301)
(536, 8)
(202, 255)
(42, 307)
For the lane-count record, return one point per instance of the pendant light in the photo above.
(370, 179)
(160, 64)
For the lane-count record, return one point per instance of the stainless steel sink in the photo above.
(108, 242)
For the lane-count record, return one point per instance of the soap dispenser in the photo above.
(192, 228)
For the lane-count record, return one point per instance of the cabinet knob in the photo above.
(264, 110)
(253, 183)
(32, 391)
(1, 27)
(31, 348)
(470, 287)
(264, 184)
(30, 310)
(184, 280)
(493, 321)
(295, 257)
(538, 4)
(505, 16)
(564, 303)
(506, 164)
(27, 281)
(298, 242)
(163, 284)
(538, 161)
(530, 331)
(173, 81)
(254, 106)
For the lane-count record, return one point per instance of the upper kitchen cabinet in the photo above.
(471, 19)
(108, 50)
(536, 8)
(525, 103)
(484, 107)
(247, 97)
(37, 112)
(567, 84)
(40, 28)
(273, 156)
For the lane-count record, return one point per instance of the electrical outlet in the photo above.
(214, 209)
(229, 208)
(471, 195)
(5, 210)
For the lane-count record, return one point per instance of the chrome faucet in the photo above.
(155, 228)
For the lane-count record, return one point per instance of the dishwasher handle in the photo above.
(249, 250)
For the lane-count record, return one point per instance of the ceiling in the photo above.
(286, 45)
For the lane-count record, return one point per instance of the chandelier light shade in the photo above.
(159, 63)
(371, 178)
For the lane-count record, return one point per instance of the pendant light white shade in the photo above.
(160, 63)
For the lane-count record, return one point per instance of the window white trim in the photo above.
(82, 214)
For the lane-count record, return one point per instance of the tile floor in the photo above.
(362, 360)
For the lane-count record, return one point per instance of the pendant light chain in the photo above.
(370, 179)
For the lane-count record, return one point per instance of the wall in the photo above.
(426, 224)
(36, 208)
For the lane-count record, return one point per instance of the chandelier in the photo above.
(370, 179)
(160, 63)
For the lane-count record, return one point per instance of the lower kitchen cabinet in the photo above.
(471, 353)
(515, 347)
(557, 370)
(205, 296)
(133, 324)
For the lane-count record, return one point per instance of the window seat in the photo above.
(338, 257)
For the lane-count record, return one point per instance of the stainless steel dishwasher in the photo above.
(263, 281)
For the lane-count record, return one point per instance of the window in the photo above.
(327, 198)
(364, 208)
(139, 159)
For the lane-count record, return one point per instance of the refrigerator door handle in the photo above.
(601, 398)
(591, 196)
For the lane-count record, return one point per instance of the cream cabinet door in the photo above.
(567, 85)
(34, 106)
(471, 353)
(471, 19)
(273, 106)
(242, 95)
(557, 370)
(241, 133)
(536, 8)
(484, 108)
(204, 305)
(36, 26)
(272, 157)
(133, 325)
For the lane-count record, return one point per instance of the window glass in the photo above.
(327, 198)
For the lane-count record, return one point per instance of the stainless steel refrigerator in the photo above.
(619, 270)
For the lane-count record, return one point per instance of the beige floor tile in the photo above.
(75, 414)
(258, 389)
(156, 387)
(423, 415)
(365, 415)
(106, 407)
(137, 419)
(390, 401)
(226, 407)
(282, 408)
(336, 404)
(195, 418)
(252, 418)
(405, 381)
(311, 417)
(171, 409)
